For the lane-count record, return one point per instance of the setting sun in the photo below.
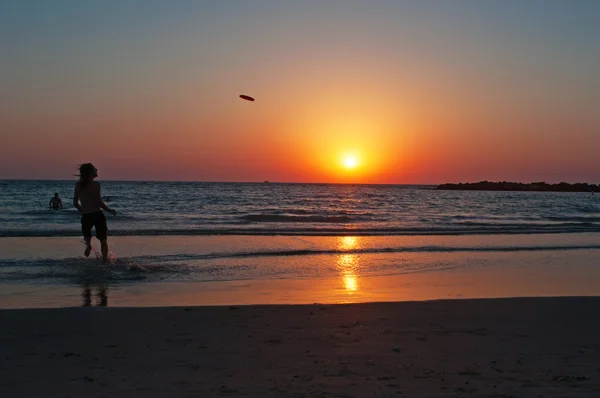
(350, 161)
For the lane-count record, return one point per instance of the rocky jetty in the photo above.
(519, 186)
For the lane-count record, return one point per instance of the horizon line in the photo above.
(223, 182)
(297, 182)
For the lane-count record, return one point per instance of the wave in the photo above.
(348, 230)
(88, 270)
(176, 262)
(538, 227)
(580, 219)
(586, 208)
(383, 250)
(49, 212)
(300, 218)
(223, 266)
(63, 214)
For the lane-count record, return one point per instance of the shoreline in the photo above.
(211, 307)
(507, 276)
(526, 347)
(171, 271)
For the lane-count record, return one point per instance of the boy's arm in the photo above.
(108, 209)
(103, 205)
(59, 204)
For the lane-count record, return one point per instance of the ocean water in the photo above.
(179, 208)
(272, 235)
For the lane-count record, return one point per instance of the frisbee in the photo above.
(246, 97)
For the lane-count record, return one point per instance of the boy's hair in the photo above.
(85, 173)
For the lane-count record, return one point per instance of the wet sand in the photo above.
(526, 347)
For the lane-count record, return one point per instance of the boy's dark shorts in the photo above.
(96, 220)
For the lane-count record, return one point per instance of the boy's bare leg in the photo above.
(104, 248)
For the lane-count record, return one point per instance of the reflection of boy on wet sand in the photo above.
(101, 294)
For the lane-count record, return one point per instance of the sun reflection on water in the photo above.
(348, 264)
(348, 243)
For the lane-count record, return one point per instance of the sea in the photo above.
(197, 243)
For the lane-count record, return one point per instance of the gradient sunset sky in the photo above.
(417, 92)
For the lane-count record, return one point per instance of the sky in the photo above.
(391, 92)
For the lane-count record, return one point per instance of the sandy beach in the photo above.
(524, 347)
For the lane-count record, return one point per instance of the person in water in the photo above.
(88, 200)
(55, 202)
